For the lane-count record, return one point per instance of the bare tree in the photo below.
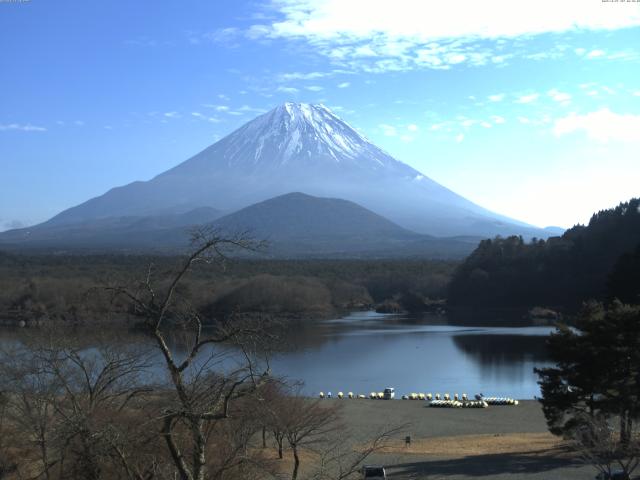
(306, 424)
(30, 406)
(7, 464)
(66, 401)
(600, 445)
(344, 456)
(203, 392)
(272, 410)
(316, 427)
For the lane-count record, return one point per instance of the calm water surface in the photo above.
(366, 352)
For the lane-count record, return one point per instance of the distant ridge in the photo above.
(112, 233)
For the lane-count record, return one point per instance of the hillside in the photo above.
(297, 225)
(117, 234)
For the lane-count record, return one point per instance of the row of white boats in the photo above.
(437, 400)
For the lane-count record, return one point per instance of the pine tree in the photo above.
(597, 371)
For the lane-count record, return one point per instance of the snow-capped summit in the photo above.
(308, 130)
(293, 137)
(297, 147)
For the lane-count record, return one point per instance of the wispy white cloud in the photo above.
(407, 34)
(602, 125)
(415, 18)
(627, 55)
(593, 89)
(498, 97)
(6, 224)
(388, 130)
(171, 114)
(230, 111)
(497, 119)
(558, 96)
(532, 97)
(443, 126)
(412, 127)
(287, 77)
(343, 85)
(207, 118)
(314, 88)
(247, 108)
(596, 54)
(226, 36)
(287, 89)
(459, 137)
(22, 127)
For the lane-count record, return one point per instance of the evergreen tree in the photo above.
(597, 371)
(624, 281)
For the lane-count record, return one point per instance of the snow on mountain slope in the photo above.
(293, 137)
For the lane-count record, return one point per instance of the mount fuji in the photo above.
(292, 148)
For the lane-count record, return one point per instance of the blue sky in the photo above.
(531, 109)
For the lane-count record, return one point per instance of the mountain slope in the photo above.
(297, 215)
(306, 148)
(297, 224)
(120, 233)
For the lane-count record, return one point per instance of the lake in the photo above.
(367, 351)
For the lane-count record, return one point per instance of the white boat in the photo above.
(389, 393)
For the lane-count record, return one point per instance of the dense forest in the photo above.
(597, 261)
(73, 288)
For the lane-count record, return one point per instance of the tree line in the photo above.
(596, 261)
(67, 288)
